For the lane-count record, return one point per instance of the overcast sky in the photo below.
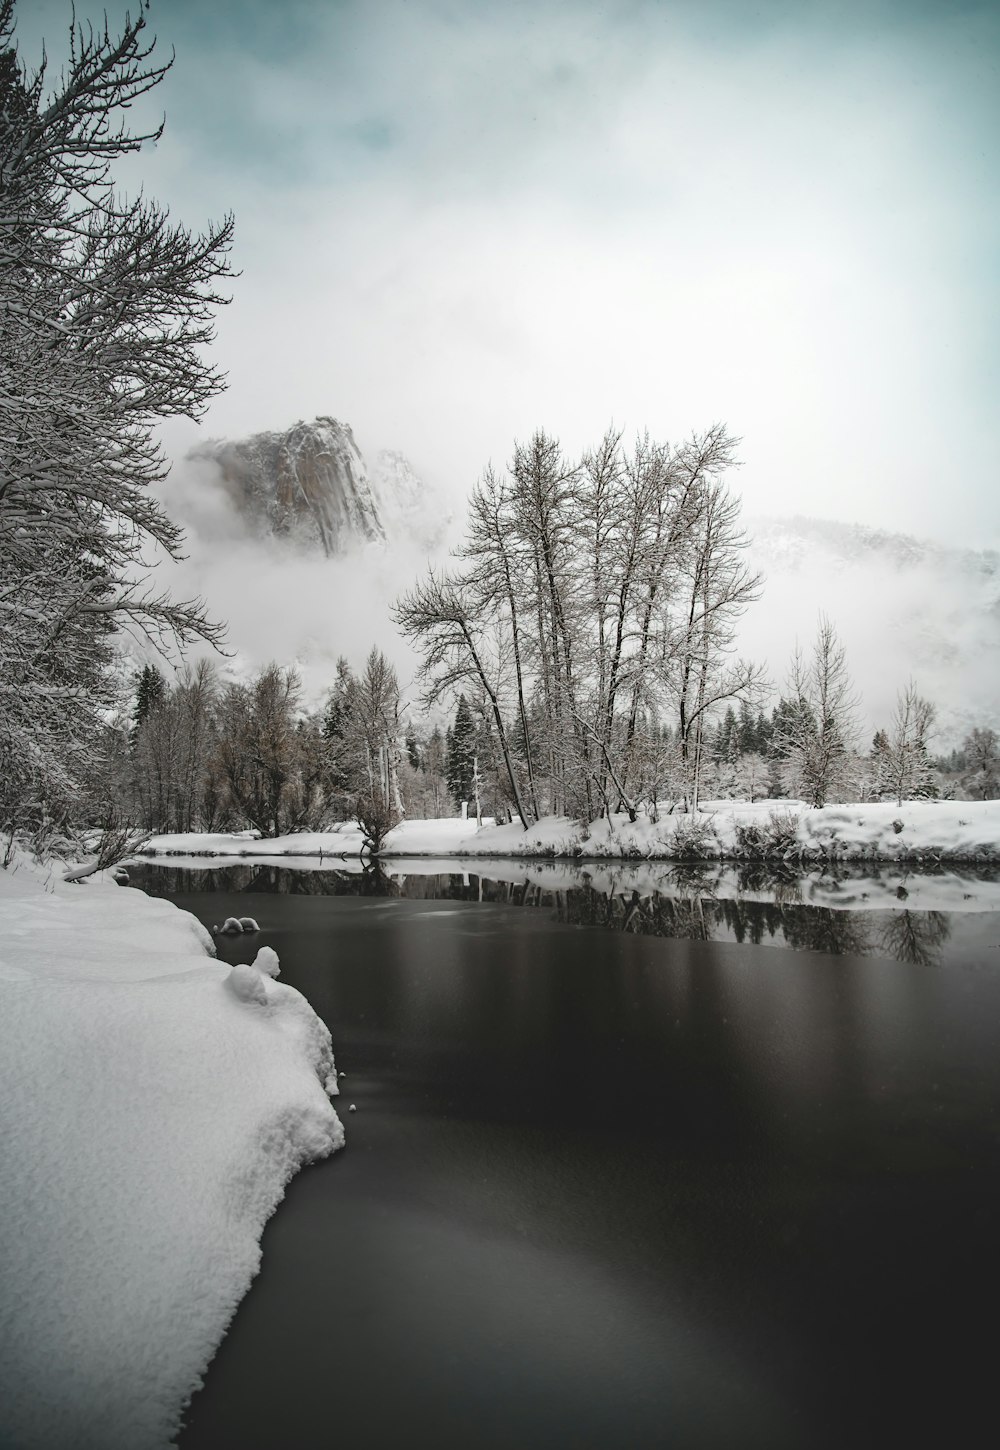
(457, 222)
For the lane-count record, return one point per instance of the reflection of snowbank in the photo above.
(845, 888)
(916, 831)
(149, 1121)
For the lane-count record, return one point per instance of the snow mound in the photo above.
(266, 961)
(247, 985)
(148, 1125)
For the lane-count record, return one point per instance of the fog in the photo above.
(933, 619)
(458, 222)
(285, 603)
(902, 611)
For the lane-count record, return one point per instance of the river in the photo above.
(628, 1167)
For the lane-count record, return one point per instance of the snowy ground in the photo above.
(153, 1106)
(916, 831)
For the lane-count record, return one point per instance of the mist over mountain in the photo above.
(303, 545)
(904, 607)
(311, 486)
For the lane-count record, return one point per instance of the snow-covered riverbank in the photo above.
(778, 829)
(150, 1118)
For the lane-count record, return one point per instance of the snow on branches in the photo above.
(106, 307)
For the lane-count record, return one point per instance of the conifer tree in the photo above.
(150, 691)
(461, 753)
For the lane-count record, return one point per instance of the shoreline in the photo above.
(780, 832)
(155, 1103)
(818, 857)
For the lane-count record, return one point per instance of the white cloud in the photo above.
(766, 234)
(458, 222)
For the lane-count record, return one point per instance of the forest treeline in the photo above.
(578, 656)
(202, 755)
(591, 618)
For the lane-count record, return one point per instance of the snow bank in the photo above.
(915, 831)
(150, 1118)
(412, 838)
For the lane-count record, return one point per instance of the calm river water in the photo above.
(620, 1177)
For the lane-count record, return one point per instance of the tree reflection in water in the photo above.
(753, 902)
(914, 936)
(824, 929)
(752, 920)
(375, 882)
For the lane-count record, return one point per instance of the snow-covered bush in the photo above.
(750, 838)
(693, 836)
(783, 830)
(764, 840)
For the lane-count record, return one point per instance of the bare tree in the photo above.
(376, 718)
(459, 649)
(590, 594)
(819, 735)
(716, 588)
(905, 767)
(495, 583)
(543, 490)
(272, 770)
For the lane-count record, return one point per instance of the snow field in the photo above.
(150, 1117)
(915, 831)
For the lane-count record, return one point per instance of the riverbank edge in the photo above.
(806, 857)
(84, 965)
(775, 832)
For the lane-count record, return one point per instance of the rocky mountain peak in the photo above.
(308, 484)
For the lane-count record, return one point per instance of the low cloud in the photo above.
(282, 603)
(902, 610)
(933, 617)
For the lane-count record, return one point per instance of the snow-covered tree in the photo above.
(904, 768)
(818, 732)
(269, 758)
(981, 778)
(751, 777)
(150, 691)
(106, 305)
(364, 731)
(461, 753)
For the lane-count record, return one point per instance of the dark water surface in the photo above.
(610, 1189)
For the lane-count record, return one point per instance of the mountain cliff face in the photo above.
(309, 485)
